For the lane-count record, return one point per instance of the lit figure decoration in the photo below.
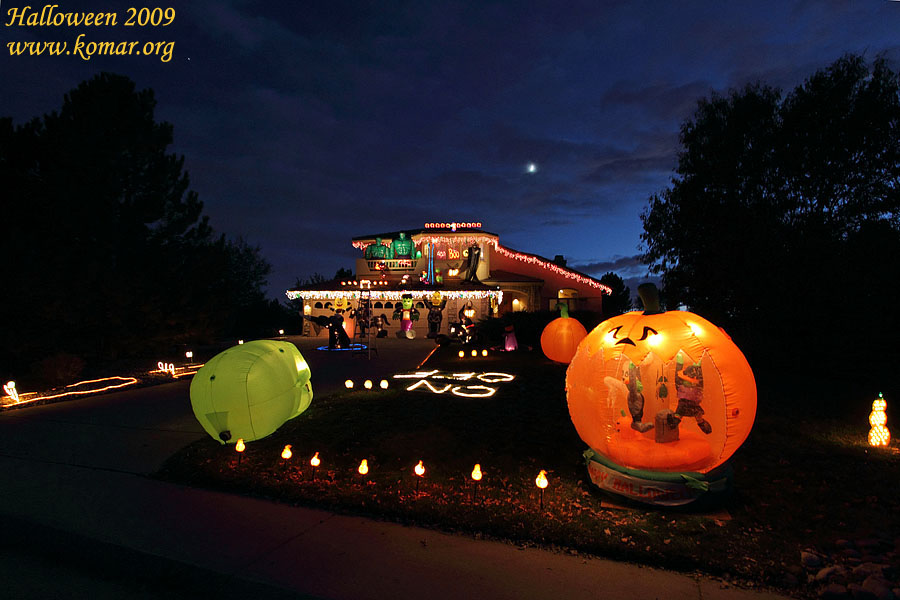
(402, 247)
(407, 313)
(377, 250)
(879, 435)
(435, 305)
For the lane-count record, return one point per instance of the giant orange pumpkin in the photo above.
(561, 336)
(661, 391)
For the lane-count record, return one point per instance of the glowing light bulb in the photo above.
(695, 328)
(240, 446)
(240, 342)
(879, 435)
(368, 384)
(383, 384)
(420, 469)
(314, 461)
(476, 472)
(189, 354)
(541, 480)
(655, 339)
(363, 467)
(461, 353)
(531, 167)
(474, 352)
(349, 384)
(286, 453)
(281, 332)
(484, 352)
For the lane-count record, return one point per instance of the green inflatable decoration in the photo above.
(250, 390)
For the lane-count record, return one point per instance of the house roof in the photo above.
(499, 276)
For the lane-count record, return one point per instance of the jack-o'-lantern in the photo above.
(561, 336)
(665, 392)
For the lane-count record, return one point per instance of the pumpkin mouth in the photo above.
(625, 341)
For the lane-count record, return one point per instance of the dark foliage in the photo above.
(782, 223)
(619, 301)
(106, 244)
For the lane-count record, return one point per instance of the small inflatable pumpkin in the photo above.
(561, 336)
(250, 390)
(661, 391)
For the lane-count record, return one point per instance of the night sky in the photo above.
(305, 124)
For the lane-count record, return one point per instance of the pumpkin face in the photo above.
(561, 337)
(662, 392)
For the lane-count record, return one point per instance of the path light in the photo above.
(281, 332)
(286, 453)
(363, 467)
(541, 482)
(420, 473)
(239, 447)
(189, 354)
(484, 352)
(240, 342)
(368, 384)
(315, 462)
(474, 352)
(383, 384)
(476, 477)
(348, 384)
(461, 354)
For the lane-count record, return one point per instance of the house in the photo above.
(461, 261)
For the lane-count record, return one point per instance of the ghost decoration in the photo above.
(250, 390)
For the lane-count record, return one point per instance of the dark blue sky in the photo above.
(304, 124)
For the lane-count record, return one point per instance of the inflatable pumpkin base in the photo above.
(656, 487)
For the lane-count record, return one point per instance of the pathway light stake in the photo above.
(286, 455)
(239, 447)
(474, 352)
(363, 467)
(484, 352)
(315, 462)
(348, 384)
(384, 384)
(461, 354)
(420, 473)
(368, 384)
(476, 477)
(541, 482)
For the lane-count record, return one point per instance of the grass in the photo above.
(801, 481)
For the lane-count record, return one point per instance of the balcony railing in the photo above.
(394, 265)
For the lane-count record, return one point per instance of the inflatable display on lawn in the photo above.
(663, 399)
(561, 336)
(407, 313)
(435, 306)
(250, 390)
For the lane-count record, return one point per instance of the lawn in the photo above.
(802, 483)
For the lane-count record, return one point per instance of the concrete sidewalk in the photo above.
(80, 518)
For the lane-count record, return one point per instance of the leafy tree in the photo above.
(783, 211)
(619, 300)
(110, 253)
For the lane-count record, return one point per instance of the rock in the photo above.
(869, 568)
(826, 574)
(860, 593)
(833, 592)
(790, 580)
(879, 587)
(810, 560)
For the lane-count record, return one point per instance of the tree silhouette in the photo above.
(619, 300)
(110, 253)
(783, 212)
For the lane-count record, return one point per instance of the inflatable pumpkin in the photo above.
(250, 390)
(660, 392)
(561, 336)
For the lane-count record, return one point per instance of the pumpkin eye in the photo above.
(647, 331)
(612, 334)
